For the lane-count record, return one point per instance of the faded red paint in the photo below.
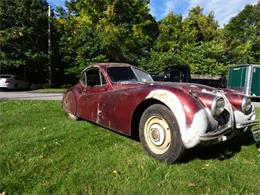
(113, 104)
(235, 99)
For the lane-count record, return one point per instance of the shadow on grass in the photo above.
(220, 151)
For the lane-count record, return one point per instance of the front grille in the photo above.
(223, 118)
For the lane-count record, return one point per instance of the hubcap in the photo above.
(157, 134)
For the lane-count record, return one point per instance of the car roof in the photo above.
(108, 65)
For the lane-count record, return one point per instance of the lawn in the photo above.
(50, 90)
(41, 151)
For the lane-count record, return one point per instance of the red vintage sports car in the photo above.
(168, 117)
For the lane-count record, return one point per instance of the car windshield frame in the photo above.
(128, 74)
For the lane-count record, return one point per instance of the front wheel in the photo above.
(160, 135)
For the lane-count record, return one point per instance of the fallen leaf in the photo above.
(192, 185)
(114, 171)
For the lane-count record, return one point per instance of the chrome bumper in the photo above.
(228, 131)
(217, 134)
(247, 124)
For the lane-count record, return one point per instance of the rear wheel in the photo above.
(160, 134)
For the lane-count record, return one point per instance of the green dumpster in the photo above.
(245, 78)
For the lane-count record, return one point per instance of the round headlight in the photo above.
(218, 106)
(246, 104)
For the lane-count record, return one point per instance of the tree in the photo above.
(242, 35)
(206, 58)
(170, 34)
(194, 41)
(198, 27)
(106, 30)
(23, 33)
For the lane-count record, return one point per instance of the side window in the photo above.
(94, 77)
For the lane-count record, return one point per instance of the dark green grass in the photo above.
(50, 90)
(41, 151)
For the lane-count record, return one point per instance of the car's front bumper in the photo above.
(246, 124)
(217, 134)
(226, 132)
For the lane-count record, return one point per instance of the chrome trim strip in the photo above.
(247, 124)
(216, 134)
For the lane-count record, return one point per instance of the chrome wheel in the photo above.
(157, 134)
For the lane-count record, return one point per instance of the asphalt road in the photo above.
(27, 95)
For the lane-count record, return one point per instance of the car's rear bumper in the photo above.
(5, 86)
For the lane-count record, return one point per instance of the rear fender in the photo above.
(70, 103)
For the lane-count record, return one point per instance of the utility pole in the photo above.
(49, 46)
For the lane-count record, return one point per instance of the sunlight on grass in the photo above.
(41, 151)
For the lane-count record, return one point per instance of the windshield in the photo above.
(128, 74)
(142, 76)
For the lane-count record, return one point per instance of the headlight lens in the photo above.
(246, 104)
(218, 106)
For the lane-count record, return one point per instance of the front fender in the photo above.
(191, 115)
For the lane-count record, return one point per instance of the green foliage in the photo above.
(23, 33)
(198, 27)
(78, 45)
(116, 30)
(89, 31)
(158, 61)
(169, 38)
(206, 58)
(242, 35)
(190, 41)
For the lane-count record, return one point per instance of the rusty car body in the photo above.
(168, 117)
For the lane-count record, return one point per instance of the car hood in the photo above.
(185, 87)
(197, 88)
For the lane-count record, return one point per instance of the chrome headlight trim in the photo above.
(246, 104)
(218, 106)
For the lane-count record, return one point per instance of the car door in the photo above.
(93, 84)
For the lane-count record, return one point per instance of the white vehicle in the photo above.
(14, 82)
